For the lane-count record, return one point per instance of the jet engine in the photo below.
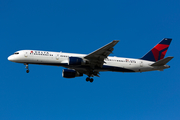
(68, 73)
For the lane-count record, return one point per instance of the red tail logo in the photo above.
(159, 51)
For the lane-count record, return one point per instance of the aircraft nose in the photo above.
(10, 58)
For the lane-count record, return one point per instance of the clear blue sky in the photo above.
(82, 27)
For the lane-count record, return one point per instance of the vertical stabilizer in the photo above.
(159, 51)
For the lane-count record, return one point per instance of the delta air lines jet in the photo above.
(91, 64)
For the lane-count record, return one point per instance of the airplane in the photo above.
(76, 65)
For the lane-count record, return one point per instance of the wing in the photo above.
(97, 57)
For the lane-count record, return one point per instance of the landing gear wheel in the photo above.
(87, 79)
(27, 71)
(27, 67)
(91, 80)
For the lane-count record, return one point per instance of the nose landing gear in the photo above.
(27, 67)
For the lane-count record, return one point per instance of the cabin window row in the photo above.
(41, 54)
(64, 56)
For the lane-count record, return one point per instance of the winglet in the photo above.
(162, 62)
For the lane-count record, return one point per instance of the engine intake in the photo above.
(68, 73)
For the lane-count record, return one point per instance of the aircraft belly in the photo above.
(115, 69)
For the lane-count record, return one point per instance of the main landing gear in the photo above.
(89, 79)
(92, 73)
(27, 67)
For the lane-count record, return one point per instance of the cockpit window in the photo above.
(16, 53)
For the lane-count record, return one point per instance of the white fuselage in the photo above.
(117, 64)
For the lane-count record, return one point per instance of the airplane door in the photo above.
(141, 64)
(26, 54)
(57, 56)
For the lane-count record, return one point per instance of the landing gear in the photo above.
(27, 67)
(92, 73)
(89, 79)
(27, 71)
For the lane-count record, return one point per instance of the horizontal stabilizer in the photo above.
(162, 62)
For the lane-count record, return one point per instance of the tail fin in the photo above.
(159, 51)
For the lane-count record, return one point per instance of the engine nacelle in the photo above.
(68, 73)
(77, 61)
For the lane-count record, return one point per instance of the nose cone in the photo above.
(10, 58)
